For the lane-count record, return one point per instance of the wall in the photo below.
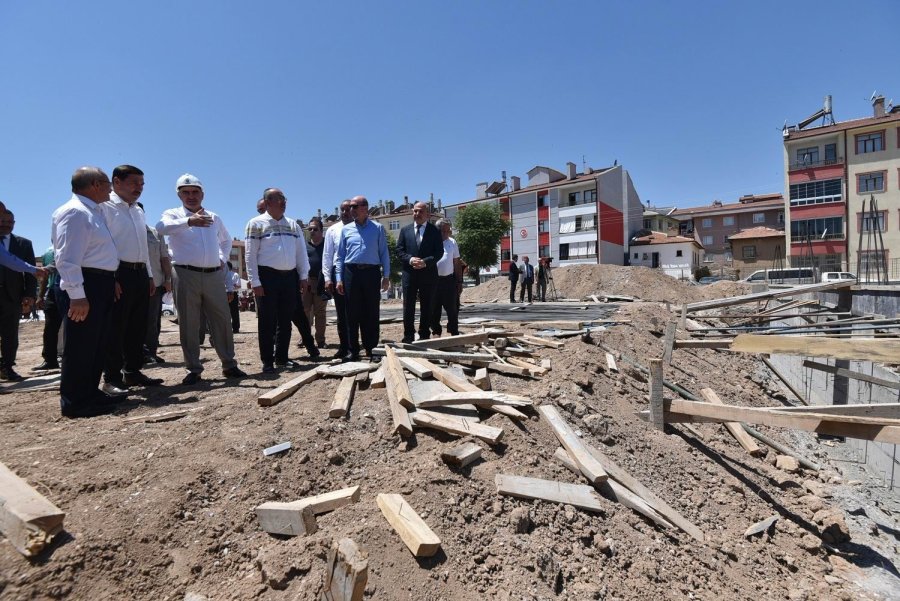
(672, 265)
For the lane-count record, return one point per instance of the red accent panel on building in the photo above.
(543, 212)
(544, 239)
(820, 247)
(835, 209)
(612, 226)
(816, 173)
(505, 243)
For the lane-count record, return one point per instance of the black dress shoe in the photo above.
(268, 368)
(89, 409)
(406, 340)
(8, 374)
(313, 352)
(45, 366)
(287, 364)
(191, 379)
(103, 397)
(349, 357)
(340, 354)
(139, 379)
(233, 372)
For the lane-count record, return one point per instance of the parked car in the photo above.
(789, 275)
(709, 279)
(836, 276)
(168, 309)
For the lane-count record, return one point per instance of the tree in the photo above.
(479, 228)
(396, 265)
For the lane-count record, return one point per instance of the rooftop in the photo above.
(579, 178)
(891, 117)
(757, 232)
(746, 202)
(662, 238)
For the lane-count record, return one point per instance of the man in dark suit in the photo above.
(513, 278)
(18, 292)
(420, 247)
(527, 280)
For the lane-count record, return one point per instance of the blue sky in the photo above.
(327, 100)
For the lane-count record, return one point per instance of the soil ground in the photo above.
(159, 510)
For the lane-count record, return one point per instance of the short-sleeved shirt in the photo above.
(451, 252)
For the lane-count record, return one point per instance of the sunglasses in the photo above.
(314, 229)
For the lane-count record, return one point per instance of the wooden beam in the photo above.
(462, 455)
(343, 396)
(485, 398)
(462, 385)
(669, 343)
(508, 369)
(456, 425)
(399, 415)
(414, 368)
(346, 573)
(394, 378)
(377, 379)
(704, 343)
(750, 298)
(736, 429)
(577, 495)
(27, 519)
(538, 341)
(657, 402)
(611, 363)
(414, 532)
(276, 395)
(286, 519)
(482, 379)
(448, 341)
(329, 501)
(534, 370)
(159, 417)
(886, 350)
(589, 466)
(437, 355)
(853, 375)
(887, 410)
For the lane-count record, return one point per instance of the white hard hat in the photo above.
(188, 180)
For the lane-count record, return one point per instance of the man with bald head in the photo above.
(86, 259)
(277, 267)
(329, 255)
(261, 206)
(362, 263)
(420, 248)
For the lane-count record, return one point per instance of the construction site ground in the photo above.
(164, 510)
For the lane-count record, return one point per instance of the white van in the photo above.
(837, 276)
(790, 275)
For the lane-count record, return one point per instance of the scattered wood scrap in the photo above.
(276, 395)
(451, 341)
(589, 466)
(297, 518)
(482, 398)
(456, 425)
(414, 532)
(159, 417)
(736, 429)
(377, 379)
(346, 573)
(462, 455)
(27, 519)
(417, 369)
(343, 396)
(611, 363)
(342, 370)
(853, 375)
(886, 350)
(760, 527)
(482, 379)
(576, 495)
(399, 396)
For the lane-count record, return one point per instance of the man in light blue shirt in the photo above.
(362, 250)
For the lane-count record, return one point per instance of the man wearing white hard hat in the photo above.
(200, 246)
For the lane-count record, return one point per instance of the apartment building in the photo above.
(573, 217)
(757, 248)
(714, 224)
(660, 219)
(830, 169)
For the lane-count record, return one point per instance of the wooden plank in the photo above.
(342, 370)
(414, 532)
(865, 428)
(328, 501)
(346, 573)
(455, 425)
(853, 375)
(657, 402)
(534, 370)
(577, 495)
(611, 363)
(462, 385)
(462, 455)
(286, 519)
(704, 343)
(27, 519)
(510, 370)
(449, 341)
(394, 378)
(343, 396)
(159, 417)
(886, 350)
(888, 410)
(480, 398)
(414, 368)
(589, 466)
(276, 395)
(482, 379)
(736, 429)
(377, 379)
(750, 298)
(437, 355)
(399, 415)
(668, 343)
(536, 340)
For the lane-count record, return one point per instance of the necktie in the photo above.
(5, 241)
(418, 235)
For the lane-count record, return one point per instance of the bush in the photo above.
(702, 272)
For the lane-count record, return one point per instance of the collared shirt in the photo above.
(233, 281)
(48, 259)
(81, 239)
(329, 254)
(128, 229)
(157, 249)
(197, 246)
(364, 244)
(278, 244)
(446, 266)
(315, 253)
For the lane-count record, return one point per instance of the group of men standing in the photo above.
(526, 272)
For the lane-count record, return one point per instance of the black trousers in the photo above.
(84, 352)
(275, 310)
(154, 321)
(52, 323)
(340, 307)
(10, 314)
(362, 288)
(512, 290)
(235, 313)
(418, 286)
(129, 324)
(526, 285)
(301, 322)
(446, 298)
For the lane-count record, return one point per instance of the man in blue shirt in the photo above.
(361, 251)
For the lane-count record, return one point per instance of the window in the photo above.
(542, 200)
(679, 253)
(644, 258)
(759, 217)
(707, 240)
(563, 252)
(729, 220)
(544, 251)
(872, 223)
(635, 256)
(504, 255)
(808, 156)
(818, 192)
(707, 222)
(873, 142)
(830, 154)
(748, 252)
(827, 228)
(574, 198)
(543, 225)
(648, 225)
(870, 182)
(590, 196)
(394, 225)
(578, 223)
(780, 218)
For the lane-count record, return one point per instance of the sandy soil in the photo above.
(159, 510)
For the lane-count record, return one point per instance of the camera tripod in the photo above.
(550, 285)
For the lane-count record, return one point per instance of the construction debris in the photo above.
(413, 530)
(27, 519)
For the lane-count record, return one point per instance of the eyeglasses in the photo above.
(314, 229)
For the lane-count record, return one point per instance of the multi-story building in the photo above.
(757, 248)
(573, 217)
(660, 219)
(830, 170)
(714, 224)
(396, 218)
(678, 256)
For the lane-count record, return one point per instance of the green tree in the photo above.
(396, 265)
(479, 228)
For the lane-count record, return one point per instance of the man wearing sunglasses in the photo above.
(314, 299)
(329, 254)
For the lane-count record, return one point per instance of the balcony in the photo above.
(797, 166)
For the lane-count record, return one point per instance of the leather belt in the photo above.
(98, 271)
(134, 266)
(200, 269)
(278, 271)
(362, 266)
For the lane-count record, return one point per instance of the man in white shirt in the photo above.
(134, 282)
(86, 259)
(449, 286)
(329, 254)
(161, 266)
(277, 266)
(200, 246)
